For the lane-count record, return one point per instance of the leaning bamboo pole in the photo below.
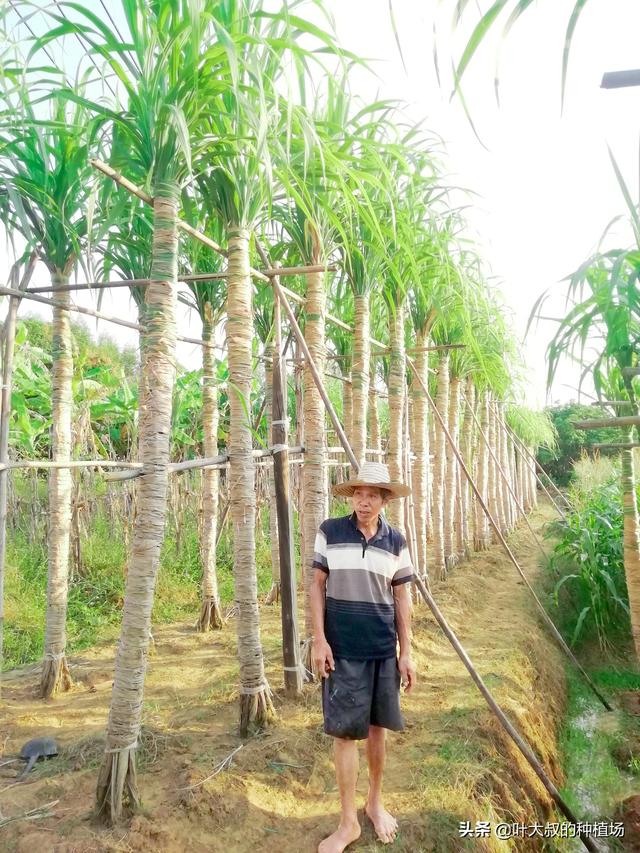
(504, 543)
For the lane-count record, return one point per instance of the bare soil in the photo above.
(453, 763)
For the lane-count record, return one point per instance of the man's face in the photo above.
(367, 503)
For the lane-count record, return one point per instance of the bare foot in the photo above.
(385, 825)
(344, 835)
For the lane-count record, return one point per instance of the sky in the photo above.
(542, 188)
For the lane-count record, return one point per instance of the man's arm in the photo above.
(321, 654)
(402, 603)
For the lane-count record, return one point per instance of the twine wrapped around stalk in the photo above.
(256, 707)
(314, 472)
(117, 784)
(397, 385)
(55, 672)
(210, 613)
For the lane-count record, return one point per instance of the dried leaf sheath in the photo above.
(360, 374)
(439, 469)
(55, 674)
(117, 789)
(210, 614)
(314, 470)
(420, 447)
(397, 382)
(255, 702)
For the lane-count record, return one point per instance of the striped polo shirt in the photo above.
(360, 612)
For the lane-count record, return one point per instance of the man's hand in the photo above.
(322, 658)
(407, 672)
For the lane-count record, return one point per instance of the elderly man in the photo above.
(361, 609)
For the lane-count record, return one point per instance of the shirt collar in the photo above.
(383, 525)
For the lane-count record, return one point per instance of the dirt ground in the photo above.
(452, 763)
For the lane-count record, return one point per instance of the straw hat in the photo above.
(372, 474)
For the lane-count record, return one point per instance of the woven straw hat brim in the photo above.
(398, 490)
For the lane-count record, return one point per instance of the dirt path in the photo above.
(452, 763)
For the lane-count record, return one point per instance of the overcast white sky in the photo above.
(545, 186)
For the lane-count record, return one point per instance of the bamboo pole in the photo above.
(524, 748)
(188, 465)
(629, 372)
(506, 479)
(629, 445)
(49, 464)
(279, 437)
(195, 278)
(5, 413)
(79, 309)
(503, 541)
(602, 423)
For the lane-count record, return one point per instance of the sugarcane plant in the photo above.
(45, 191)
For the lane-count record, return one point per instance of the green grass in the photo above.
(97, 594)
(596, 780)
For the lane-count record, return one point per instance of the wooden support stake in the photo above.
(502, 540)
(290, 642)
(629, 372)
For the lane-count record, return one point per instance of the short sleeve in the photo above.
(320, 551)
(404, 573)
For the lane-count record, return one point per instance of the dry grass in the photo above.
(453, 762)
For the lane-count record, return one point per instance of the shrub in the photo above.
(592, 591)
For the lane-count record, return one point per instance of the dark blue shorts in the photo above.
(359, 694)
